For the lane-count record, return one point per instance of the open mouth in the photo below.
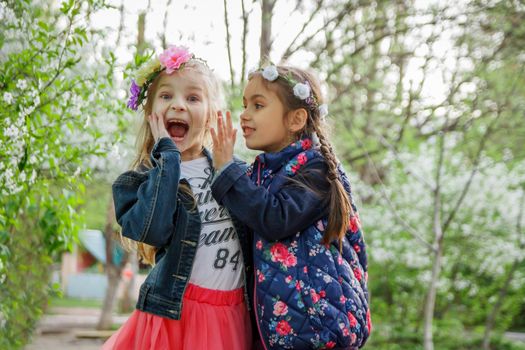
(247, 131)
(177, 128)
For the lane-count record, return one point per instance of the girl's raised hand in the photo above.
(223, 140)
(156, 124)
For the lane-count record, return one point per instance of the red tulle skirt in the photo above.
(211, 319)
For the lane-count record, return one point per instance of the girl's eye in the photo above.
(193, 98)
(258, 106)
(165, 96)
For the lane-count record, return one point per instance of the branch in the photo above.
(165, 25)
(518, 221)
(422, 180)
(362, 155)
(480, 149)
(121, 24)
(436, 226)
(226, 23)
(472, 173)
(266, 29)
(243, 45)
(288, 51)
(58, 71)
(412, 231)
(337, 67)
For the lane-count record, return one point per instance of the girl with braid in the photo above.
(310, 288)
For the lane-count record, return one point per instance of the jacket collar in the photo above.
(274, 161)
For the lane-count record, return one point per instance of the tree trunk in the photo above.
(106, 316)
(431, 301)
(228, 45)
(141, 25)
(243, 41)
(266, 29)
(113, 271)
(127, 303)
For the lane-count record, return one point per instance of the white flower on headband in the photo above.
(270, 73)
(301, 91)
(323, 110)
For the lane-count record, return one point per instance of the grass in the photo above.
(75, 302)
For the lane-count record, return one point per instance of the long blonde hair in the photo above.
(145, 140)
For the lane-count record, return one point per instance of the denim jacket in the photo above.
(308, 295)
(151, 209)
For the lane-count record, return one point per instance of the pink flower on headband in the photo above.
(174, 57)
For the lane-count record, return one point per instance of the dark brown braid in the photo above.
(340, 209)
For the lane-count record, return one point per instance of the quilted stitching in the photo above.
(303, 276)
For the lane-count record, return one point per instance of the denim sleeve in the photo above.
(272, 215)
(145, 203)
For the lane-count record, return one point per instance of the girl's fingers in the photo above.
(220, 128)
(229, 122)
(156, 123)
(219, 133)
(225, 132)
(159, 126)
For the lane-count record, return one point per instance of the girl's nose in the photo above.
(244, 115)
(178, 105)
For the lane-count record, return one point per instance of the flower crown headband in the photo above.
(302, 91)
(172, 59)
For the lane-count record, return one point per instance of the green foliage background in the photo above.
(51, 105)
(62, 118)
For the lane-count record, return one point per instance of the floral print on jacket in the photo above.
(309, 295)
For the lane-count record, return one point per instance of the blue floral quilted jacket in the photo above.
(307, 295)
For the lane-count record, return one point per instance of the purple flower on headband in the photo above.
(133, 99)
(309, 101)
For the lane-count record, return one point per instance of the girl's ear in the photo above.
(296, 120)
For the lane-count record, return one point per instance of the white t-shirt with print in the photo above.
(218, 262)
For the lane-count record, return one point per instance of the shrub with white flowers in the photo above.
(56, 113)
(480, 245)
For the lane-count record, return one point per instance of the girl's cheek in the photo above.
(160, 108)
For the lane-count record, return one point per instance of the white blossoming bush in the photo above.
(57, 112)
(480, 246)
